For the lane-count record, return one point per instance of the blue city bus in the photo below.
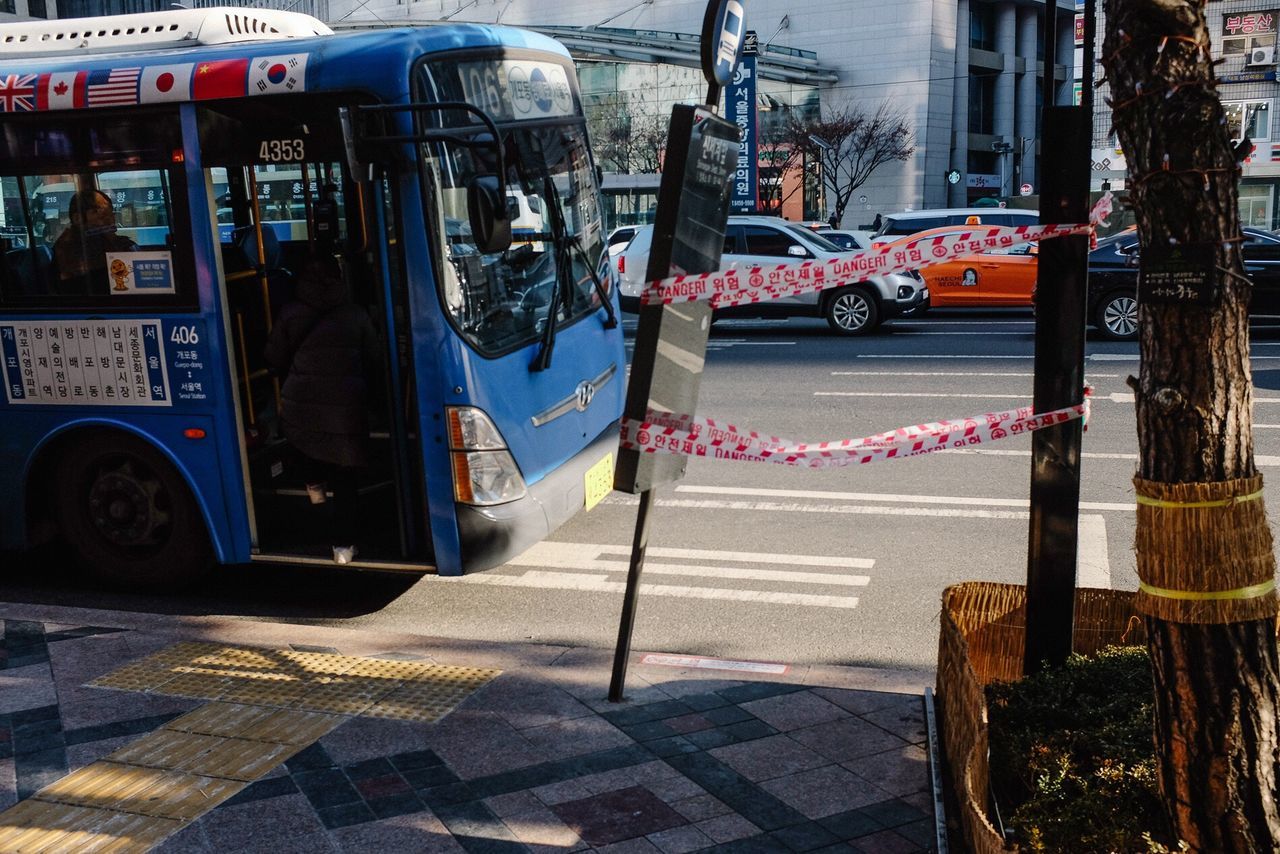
(163, 178)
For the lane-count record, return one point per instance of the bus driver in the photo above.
(80, 252)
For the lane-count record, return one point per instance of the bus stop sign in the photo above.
(722, 31)
(688, 237)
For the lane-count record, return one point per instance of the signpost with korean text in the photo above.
(688, 237)
(741, 110)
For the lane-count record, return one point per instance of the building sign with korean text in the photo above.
(1244, 32)
(740, 100)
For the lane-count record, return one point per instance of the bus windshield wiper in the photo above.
(563, 259)
(611, 320)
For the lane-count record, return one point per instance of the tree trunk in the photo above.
(1216, 683)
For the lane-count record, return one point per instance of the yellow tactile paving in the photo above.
(239, 759)
(36, 827)
(197, 686)
(290, 726)
(275, 694)
(309, 665)
(345, 697)
(146, 791)
(165, 748)
(383, 668)
(224, 719)
(266, 705)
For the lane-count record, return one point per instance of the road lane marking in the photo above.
(1259, 460)
(889, 498)
(1093, 561)
(742, 557)
(840, 509)
(951, 374)
(585, 556)
(599, 584)
(916, 394)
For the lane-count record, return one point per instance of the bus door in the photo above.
(285, 210)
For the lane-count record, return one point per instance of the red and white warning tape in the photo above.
(774, 281)
(704, 437)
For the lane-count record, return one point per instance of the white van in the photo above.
(898, 225)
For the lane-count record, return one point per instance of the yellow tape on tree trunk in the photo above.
(1251, 592)
(1221, 502)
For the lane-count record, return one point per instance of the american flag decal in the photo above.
(114, 87)
(17, 93)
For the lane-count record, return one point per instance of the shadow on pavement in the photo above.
(45, 576)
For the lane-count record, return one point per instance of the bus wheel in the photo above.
(128, 516)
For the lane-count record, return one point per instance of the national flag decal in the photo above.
(113, 88)
(165, 83)
(17, 93)
(271, 75)
(221, 78)
(61, 90)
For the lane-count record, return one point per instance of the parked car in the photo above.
(1113, 280)
(901, 224)
(620, 237)
(845, 239)
(853, 309)
(1000, 278)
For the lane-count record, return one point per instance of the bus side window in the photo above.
(26, 271)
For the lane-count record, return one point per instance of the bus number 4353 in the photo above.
(282, 151)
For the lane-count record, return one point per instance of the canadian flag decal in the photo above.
(61, 90)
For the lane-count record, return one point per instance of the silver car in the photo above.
(852, 309)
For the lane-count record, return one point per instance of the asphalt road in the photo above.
(760, 562)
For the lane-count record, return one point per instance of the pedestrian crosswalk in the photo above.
(730, 576)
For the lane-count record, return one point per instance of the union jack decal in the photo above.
(17, 93)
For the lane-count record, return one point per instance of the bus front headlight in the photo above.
(486, 477)
(484, 472)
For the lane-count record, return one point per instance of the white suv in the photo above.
(750, 241)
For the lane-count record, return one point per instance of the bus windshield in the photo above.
(503, 301)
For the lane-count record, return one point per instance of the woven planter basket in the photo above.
(981, 641)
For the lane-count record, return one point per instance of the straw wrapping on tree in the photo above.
(1204, 551)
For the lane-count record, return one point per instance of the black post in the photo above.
(622, 652)
(1066, 138)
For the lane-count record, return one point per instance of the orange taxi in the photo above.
(998, 278)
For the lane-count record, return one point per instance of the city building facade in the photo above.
(966, 74)
(1242, 35)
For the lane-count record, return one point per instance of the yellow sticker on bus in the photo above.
(598, 481)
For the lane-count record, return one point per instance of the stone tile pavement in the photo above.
(819, 759)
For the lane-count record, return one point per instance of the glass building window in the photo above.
(982, 26)
(982, 100)
(1251, 116)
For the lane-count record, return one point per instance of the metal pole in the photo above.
(1066, 138)
(630, 599)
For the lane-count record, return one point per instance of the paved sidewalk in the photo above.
(211, 734)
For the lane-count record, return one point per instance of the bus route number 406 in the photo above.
(282, 151)
(184, 335)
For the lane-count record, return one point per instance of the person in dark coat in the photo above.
(326, 348)
(80, 252)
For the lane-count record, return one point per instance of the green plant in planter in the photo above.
(1072, 757)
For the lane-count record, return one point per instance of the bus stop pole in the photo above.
(1061, 291)
(622, 652)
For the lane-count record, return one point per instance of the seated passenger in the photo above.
(80, 252)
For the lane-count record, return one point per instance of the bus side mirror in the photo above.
(487, 211)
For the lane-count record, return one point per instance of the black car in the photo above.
(1113, 280)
